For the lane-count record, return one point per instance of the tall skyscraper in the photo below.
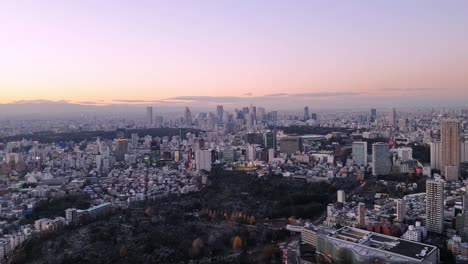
(261, 114)
(220, 112)
(392, 118)
(149, 115)
(121, 149)
(269, 140)
(306, 113)
(373, 116)
(400, 210)
(360, 153)
(435, 206)
(436, 155)
(380, 159)
(361, 211)
(188, 117)
(450, 147)
(203, 160)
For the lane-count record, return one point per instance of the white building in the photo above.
(360, 153)
(435, 206)
(436, 155)
(405, 153)
(400, 210)
(341, 196)
(203, 160)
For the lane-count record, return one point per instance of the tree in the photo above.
(237, 244)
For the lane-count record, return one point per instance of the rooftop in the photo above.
(383, 243)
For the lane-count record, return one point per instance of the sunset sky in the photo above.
(234, 52)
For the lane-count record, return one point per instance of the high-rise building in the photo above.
(436, 155)
(306, 113)
(361, 212)
(149, 115)
(135, 139)
(392, 118)
(121, 149)
(450, 147)
(464, 151)
(380, 159)
(400, 210)
(435, 206)
(373, 116)
(220, 112)
(269, 140)
(261, 114)
(203, 160)
(360, 153)
(341, 196)
(187, 117)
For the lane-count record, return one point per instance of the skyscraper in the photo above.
(400, 210)
(360, 153)
(435, 206)
(392, 118)
(450, 149)
(361, 211)
(373, 116)
(121, 149)
(436, 158)
(306, 113)
(149, 115)
(187, 117)
(220, 112)
(380, 159)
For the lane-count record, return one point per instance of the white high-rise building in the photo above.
(464, 151)
(360, 153)
(341, 196)
(435, 206)
(436, 156)
(380, 159)
(361, 212)
(400, 210)
(203, 160)
(450, 146)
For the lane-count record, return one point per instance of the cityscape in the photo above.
(234, 132)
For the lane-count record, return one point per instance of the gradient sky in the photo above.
(233, 52)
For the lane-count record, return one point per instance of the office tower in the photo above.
(220, 112)
(291, 144)
(269, 140)
(400, 210)
(380, 159)
(392, 118)
(158, 121)
(251, 153)
(314, 117)
(149, 115)
(121, 149)
(436, 155)
(405, 153)
(340, 196)
(464, 151)
(450, 149)
(155, 151)
(188, 117)
(135, 139)
(306, 113)
(435, 206)
(373, 116)
(203, 160)
(361, 210)
(261, 114)
(360, 153)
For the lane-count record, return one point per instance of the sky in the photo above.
(288, 53)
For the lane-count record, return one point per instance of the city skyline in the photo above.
(210, 53)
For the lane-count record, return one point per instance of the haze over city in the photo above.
(331, 54)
